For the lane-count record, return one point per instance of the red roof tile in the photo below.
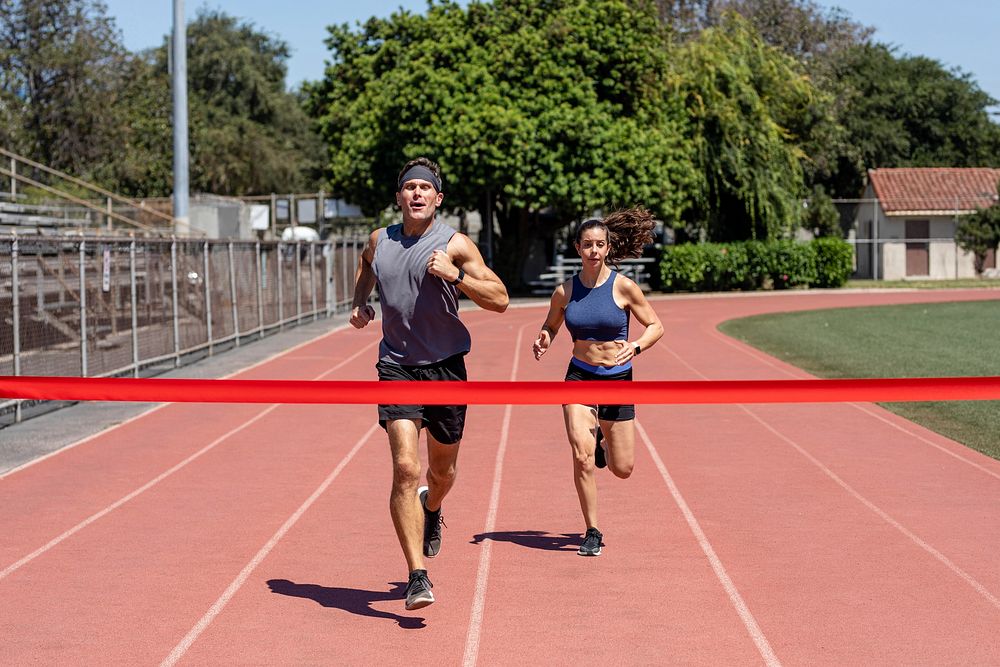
(935, 189)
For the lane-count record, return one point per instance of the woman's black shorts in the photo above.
(445, 422)
(612, 413)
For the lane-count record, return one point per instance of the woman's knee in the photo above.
(621, 471)
(583, 461)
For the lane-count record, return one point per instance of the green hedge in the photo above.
(752, 265)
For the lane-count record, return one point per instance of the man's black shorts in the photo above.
(445, 422)
(611, 413)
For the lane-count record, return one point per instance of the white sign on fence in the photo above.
(106, 274)
(260, 217)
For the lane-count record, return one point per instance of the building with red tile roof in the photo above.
(934, 190)
(905, 226)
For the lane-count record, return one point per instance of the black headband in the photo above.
(421, 172)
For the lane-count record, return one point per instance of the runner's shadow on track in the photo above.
(533, 539)
(352, 600)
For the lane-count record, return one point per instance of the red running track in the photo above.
(254, 534)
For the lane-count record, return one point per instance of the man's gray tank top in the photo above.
(420, 322)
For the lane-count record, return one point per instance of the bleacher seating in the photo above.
(555, 274)
(41, 219)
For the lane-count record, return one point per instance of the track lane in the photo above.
(831, 575)
(334, 585)
(327, 588)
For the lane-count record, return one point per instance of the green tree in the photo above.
(750, 106)
(910, 112)
(248, 134)
(821, 216)
(540, 112)
(979, 233)
(61, 74)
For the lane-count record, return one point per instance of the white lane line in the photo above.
(82, 441)
(245, 573)
(148, 485)
(749, 622)
(121, 501)
(954, 455)
(882, 514)
(163, 405)
(479, 600)
(766, 359)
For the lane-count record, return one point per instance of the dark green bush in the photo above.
(792, 264)
(834, 261)
(783, 264)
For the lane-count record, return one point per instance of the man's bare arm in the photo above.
(364, 282)
(479, 283)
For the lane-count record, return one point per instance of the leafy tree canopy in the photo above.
(61, 73)
(537, 110)
(751, 107)
(248, 134)
(907, 111)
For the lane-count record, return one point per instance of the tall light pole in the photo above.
(180, 116)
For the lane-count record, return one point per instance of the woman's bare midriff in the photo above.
(595, 352)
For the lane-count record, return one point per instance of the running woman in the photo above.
(420, 266)
(595, 305)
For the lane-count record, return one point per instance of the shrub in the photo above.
(783, 264)
(834, 261)
(792, 264)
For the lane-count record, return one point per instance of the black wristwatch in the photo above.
(637, 349)
(456, 281)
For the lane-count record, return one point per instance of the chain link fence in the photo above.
(100, 307)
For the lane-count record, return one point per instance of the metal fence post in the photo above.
(208, 300)
(328, 278)
(298, 281)
(344, 267)
(108, 216)
(83, 309)
(281, 289)
(232, 293)
(260, 294)
(312, 278)
(16, 296)
(135, 313)
(874, 235)
(173, 285)
(13, 181)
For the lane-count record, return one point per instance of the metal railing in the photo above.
(85, 307)
(119, 214)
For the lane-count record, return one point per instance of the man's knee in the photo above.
(406, 473)
(442, 472)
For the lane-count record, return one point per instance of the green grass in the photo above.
(960, 283)
(919, 340)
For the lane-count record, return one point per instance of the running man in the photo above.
(420, 266)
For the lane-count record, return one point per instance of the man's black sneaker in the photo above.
(591, 543)
(600, 458)
(432, 526)
(418, 590)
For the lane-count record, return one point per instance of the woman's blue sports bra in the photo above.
(592, 313)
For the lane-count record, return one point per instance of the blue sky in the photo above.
(962, 33)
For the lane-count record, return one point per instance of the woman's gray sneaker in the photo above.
(591, 543)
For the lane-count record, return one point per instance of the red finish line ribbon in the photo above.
(500, 393)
